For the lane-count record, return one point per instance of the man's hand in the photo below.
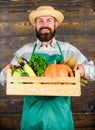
(81, 69)
(9, 66)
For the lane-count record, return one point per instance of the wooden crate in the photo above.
(44, 86)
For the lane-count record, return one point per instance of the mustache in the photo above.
(45, 28)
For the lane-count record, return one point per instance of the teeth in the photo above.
(44, 30)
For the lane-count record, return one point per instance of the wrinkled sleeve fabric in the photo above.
(90, 70)
(24, 52)
(67, 49)
(70, 50)
(2, 78)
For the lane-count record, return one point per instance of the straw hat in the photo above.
(46, 11)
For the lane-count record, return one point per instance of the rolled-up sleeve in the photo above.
(25, 52)
(2, 78)
(89, 66)
(90, 70)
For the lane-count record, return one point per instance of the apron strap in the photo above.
(60, 49)
(34, 49)
(57, 45)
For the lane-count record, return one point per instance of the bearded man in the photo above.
(47, 112)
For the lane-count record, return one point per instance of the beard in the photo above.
(45, 37)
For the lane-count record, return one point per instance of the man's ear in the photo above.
(56, 24)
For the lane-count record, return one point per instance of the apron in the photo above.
(47, 112)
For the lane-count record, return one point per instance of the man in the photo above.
(40, 112)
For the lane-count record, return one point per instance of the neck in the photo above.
(47, 43)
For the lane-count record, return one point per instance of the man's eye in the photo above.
(40, 21)
(49, 20)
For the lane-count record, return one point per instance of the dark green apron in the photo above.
(47, 112)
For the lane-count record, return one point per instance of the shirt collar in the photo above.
(53, 44)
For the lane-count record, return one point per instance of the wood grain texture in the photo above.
(78, 28)
(45, 86)
(82, 121)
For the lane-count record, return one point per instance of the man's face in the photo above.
(45, 28)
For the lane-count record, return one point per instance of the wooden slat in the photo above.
(81, 121)
(14, 104)
(68, 80)
(85, 128)
(45, 90)
(24, 4)
(25, 28)
(46, 86)
(79, 15)
(10, 121)
(84, 119)
(78, 28)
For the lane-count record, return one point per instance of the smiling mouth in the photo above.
(45, 30)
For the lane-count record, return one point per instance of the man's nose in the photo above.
(45, 23)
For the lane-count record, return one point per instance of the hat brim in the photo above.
(54, 13)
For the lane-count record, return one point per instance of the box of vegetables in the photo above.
(37, 77)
